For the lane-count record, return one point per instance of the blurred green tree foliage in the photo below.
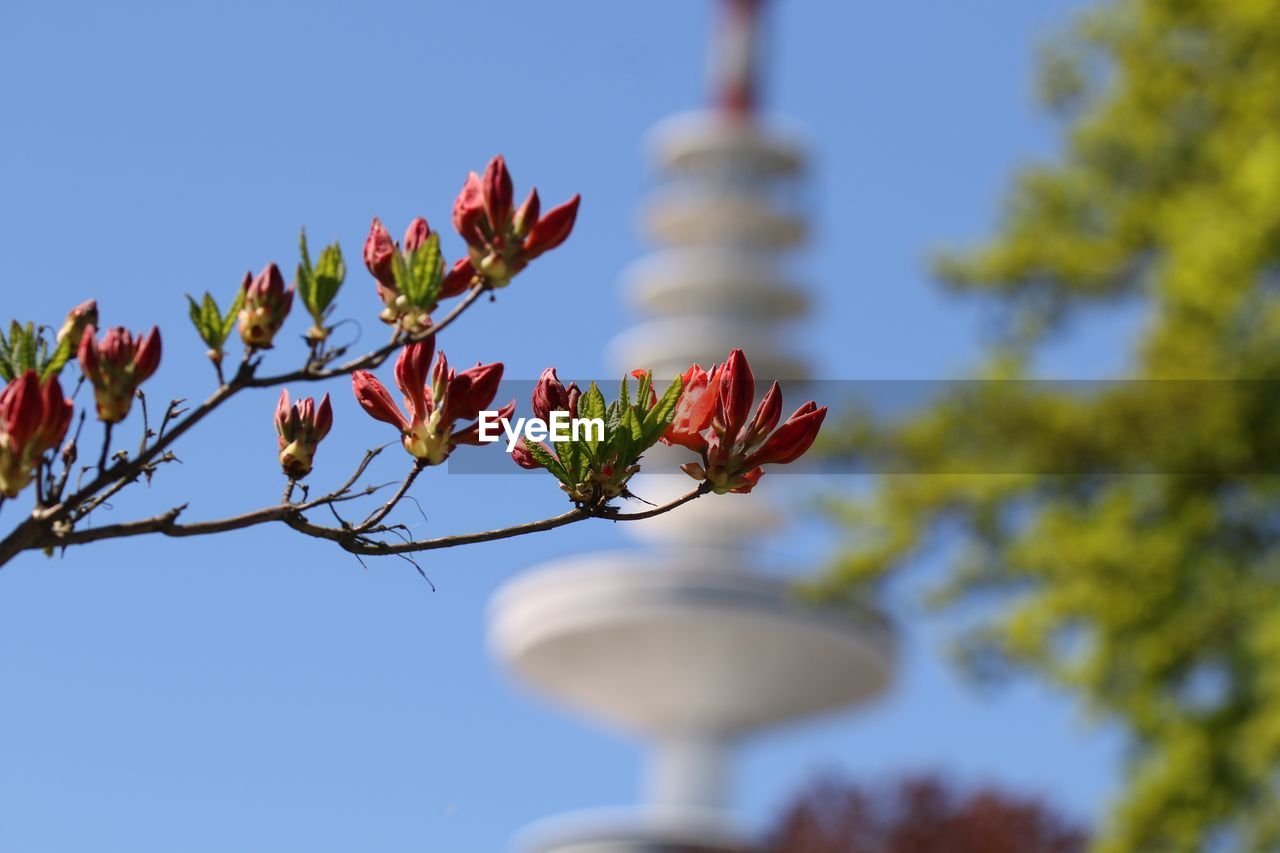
(1128, 532)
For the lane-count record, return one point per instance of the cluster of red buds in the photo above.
(116, 366)
(34, 417)
(712, 419)
(380, 256)
(301, 426)
(266, 304)
(452, 396)
(502, 239)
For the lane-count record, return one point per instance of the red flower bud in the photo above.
(468, 209)
(549, 395)
(497, 189)
(411, 375)
(552, 229)
(523, 457)
(527, 215)
(472, 390)
(379, 250)
(737, 391)
(766, 418)
(34, 417)
(459, 279)
(116, 366)
(416, 234)
(792, 439)
(266, 305)
(373, 398)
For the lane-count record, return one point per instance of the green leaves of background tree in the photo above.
(1127, 590)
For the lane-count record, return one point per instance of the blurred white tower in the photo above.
(687, 646)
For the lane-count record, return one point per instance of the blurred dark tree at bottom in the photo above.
(918, 815)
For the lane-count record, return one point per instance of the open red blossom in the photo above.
(503, 240)
(434, 409)
(116, 366)
(695, 410)
(300, 427)
(34, 417)
(712, 419)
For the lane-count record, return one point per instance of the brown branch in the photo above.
(573, 516)
(350, 539)
(39, 525)
(382, 511)
(372, 359)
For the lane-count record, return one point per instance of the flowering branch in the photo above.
(706, 412)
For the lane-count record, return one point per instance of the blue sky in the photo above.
(263, 692)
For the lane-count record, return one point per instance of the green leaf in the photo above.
(661, 415)
(318, 284)
(59, 360)
(306, 280)
(28, 354)
(211, 321)
(546, 460)
(424, 274)
(229, 321)
(330, 273)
